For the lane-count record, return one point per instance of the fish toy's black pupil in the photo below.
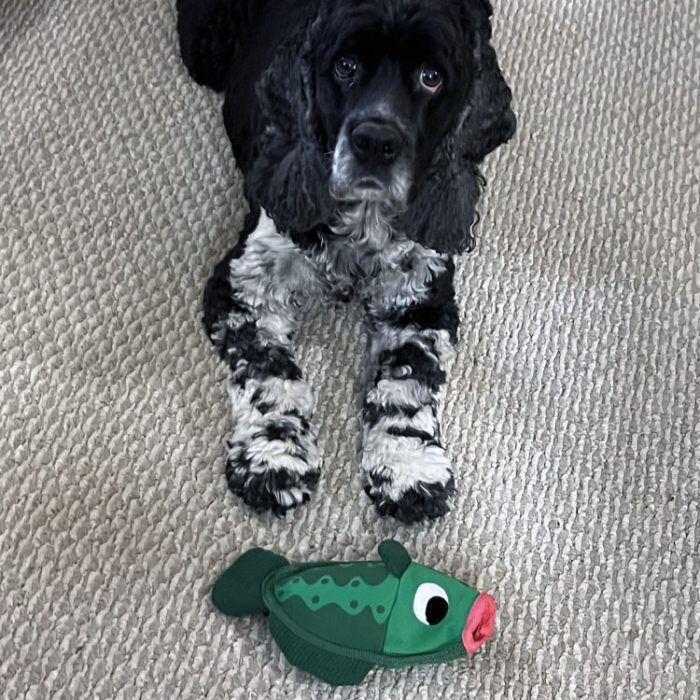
(436, 610)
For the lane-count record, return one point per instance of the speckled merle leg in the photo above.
(252, 304)
(411, 345)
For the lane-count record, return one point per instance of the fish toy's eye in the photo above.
(430, 604)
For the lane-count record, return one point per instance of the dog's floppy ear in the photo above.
(289, 176)
(444, 203)
(489, 120)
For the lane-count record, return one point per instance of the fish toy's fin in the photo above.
(330, 667)
(395, 557)
(237, 592)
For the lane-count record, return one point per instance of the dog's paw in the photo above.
(406, 478)
(420, 502)
(276, 466)
(275, 490)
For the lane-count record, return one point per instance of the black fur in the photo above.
(424, 501)
(219, 300)
(283, 113)
(373, 413)
(412, 361)
(437, 311)
(257, 490)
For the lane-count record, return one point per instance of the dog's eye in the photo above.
(430, 79)
(345, 67)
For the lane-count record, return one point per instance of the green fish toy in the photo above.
(337, 620)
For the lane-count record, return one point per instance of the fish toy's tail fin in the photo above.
(238, 592)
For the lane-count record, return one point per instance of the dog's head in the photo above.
(391, 101)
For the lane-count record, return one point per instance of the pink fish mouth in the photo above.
(480, 623)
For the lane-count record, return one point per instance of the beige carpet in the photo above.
(572, 413)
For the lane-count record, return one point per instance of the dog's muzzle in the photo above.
(370, 163)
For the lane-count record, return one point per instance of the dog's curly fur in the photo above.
(359, 126)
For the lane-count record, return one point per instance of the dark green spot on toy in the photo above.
(338, 620)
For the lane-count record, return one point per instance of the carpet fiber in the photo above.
(572, 414)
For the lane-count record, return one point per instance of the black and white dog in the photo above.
(359, 126)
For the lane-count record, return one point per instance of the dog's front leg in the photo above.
(413, 326)
(252, 305)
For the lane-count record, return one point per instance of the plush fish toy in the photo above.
(338, 620)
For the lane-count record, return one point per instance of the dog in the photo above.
(359, 127)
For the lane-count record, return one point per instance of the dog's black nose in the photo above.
(376, 143)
